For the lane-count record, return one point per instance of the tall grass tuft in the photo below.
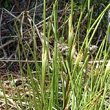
(68, 81)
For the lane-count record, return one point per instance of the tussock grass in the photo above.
(68, 81)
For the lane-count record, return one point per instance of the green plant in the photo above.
(72, 81)
(6, 4)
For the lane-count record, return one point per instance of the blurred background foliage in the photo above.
(6, 4)
(98, 7)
